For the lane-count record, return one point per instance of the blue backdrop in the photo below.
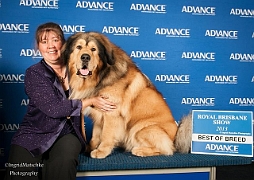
(199, 54)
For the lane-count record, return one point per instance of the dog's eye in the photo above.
(79, 47)
(93, 49)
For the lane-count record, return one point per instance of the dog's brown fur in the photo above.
(142, 122)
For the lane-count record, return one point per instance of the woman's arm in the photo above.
(46, 97)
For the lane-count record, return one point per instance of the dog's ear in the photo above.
(64, 54)
(66, 49)
(106, 52)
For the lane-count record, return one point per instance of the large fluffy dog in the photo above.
(142, 122)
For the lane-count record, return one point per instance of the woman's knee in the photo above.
(65, 150)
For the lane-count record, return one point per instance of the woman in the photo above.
(49, 140)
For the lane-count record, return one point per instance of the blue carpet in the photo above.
(120, 160)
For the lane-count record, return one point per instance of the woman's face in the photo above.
(50, 46)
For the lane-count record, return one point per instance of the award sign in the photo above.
(222, 133)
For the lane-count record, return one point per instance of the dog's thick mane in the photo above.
(112, 70)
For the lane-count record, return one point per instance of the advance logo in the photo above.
(241, 101)
(222, 34)
(149, 55)
(221, 79)
(173, 32)
(72, 29)
(199, 56)
(122, 31)
(40, 4)
(245, 13)
(149, 8)
(14, 28)
(198, 101)
(173, 79)
(199, 10)
(95, 6)
(9, 127)
(30, 53)
(12, 78)
(242, 57)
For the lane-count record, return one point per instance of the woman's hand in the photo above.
(98, 102)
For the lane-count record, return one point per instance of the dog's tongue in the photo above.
(84, 72)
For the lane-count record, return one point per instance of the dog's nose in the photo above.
(85, 57)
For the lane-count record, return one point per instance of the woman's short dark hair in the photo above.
(47, 27)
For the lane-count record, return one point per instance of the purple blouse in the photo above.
(47, 111)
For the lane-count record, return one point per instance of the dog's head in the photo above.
(86, 53)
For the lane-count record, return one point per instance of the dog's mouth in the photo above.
(84, 72)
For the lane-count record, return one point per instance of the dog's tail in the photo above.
(184, 134)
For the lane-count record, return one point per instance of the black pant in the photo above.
(58, 163)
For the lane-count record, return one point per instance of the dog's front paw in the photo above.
(99, 154)
(94, 143)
